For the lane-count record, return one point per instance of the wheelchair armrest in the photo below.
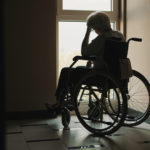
(76, 58)
(135, 39)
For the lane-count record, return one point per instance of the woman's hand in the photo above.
(86, 38)
(89, 64)
(88, 29)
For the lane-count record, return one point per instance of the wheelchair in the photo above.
(105, 100)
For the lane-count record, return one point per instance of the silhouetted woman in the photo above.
(100, 23)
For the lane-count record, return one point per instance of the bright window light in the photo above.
(101, 5)
(70, 38)
(71, 35)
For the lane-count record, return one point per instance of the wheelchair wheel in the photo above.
(93, 109)
(138, 99)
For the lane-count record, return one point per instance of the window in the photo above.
(71, 26)
(103, 5)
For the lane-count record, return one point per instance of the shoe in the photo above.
(57, 108)
(51, 110)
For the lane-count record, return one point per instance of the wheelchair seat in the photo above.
(118, 65)
(114, 51)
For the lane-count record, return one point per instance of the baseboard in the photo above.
(26, 115)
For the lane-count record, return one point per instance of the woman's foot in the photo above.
(54, 109)
(57, 108)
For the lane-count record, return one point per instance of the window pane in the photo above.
(101, 5)
(71, 35)
(70, 39)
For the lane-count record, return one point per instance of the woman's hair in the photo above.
(99, 21)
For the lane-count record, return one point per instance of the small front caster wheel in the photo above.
(65, 117)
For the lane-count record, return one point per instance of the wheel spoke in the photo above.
(97, 121)
(139, 99)
(94, 112)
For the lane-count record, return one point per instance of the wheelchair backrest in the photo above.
(115, 49)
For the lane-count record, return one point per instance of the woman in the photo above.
(100, 23)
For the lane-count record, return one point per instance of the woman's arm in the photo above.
(90, 49)
(86, 39)
(85, 43)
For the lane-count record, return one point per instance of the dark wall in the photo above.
(30, 53)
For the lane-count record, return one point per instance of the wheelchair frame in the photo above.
(120, 118)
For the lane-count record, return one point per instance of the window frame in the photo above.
(81, 15)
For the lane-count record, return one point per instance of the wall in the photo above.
(138, 25)
(30, 49)
(30, 54)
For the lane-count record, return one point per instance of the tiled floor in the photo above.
(50, 135)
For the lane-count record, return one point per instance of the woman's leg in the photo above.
(71, 76)
(62, 82)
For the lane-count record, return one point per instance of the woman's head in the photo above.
(99, 21)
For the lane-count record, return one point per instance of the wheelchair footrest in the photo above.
(70, 107)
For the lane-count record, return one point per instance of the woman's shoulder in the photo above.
(114, 33)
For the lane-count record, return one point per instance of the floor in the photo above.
(49, 134)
